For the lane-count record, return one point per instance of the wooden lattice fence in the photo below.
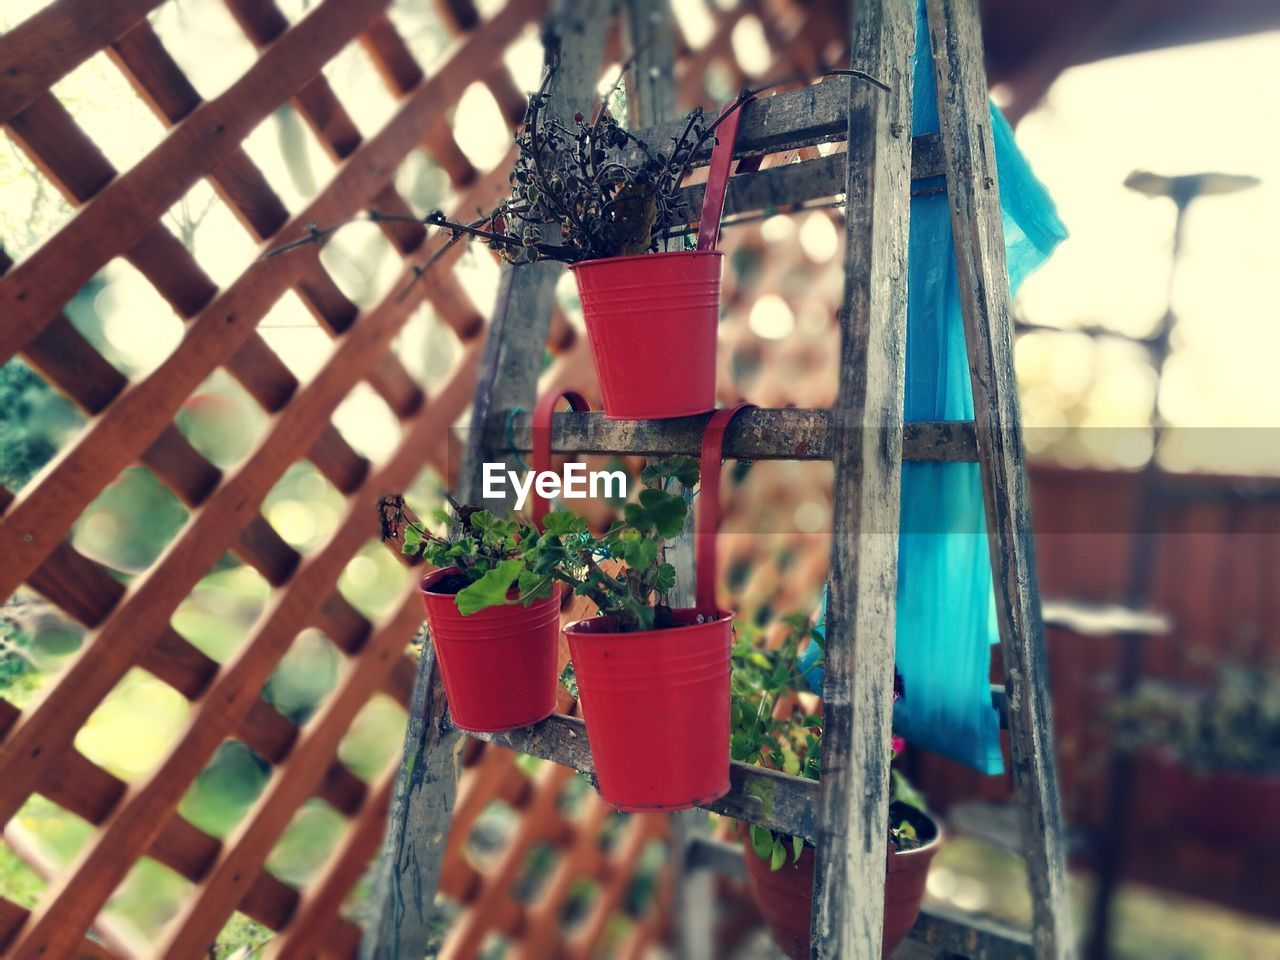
(131, 421)
(119, 216)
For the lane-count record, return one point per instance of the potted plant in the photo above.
(611, 203)
(1216, 750)
(496, 646)
(771, 728)
(646, 673)
(653, 680)
(594, 195)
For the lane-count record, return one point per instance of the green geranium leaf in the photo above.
(490, 590)
(762, 841)
(777, 856)
(562, 523)
(534, 586)
(664, 511)
(666, 578)
(682, 469)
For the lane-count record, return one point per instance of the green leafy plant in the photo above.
(1231, 725)
(486, 553)
(773, 727)
(495, 558)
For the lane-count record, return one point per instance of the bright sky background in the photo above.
(1207, 107)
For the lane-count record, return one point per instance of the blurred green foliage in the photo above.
(217, 615)
(130, 522)
(35, 421)
(304, 677)
(225, 789)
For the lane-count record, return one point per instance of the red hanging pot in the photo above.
(656, 703)
(785, 895)
(498, 665)
(652, 318)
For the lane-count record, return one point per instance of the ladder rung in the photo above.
(1104, 619)
(759, 434)
(797, 183)
(949, 931)
(999, 824)
(722, 858)
(803, 117)
(756, 795)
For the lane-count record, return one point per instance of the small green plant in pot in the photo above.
(646, 673)
(495, 646)
(772, 728)
(650, 675)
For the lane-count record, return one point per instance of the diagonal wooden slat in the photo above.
(227, 883)
(53, 721)
(121, 213)
(132, 828)
(52, 42)
(307, 928)
(12, 917)
(246, 191)
(86, 790)
(42, 515)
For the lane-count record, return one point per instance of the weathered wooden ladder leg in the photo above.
(848, 914)
(418, 824)
(972, 187)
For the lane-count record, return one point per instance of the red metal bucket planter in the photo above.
(498, 665)
(785, 895)
(652, 321)
(652, 318)
(656, 703)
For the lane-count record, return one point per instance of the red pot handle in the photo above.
(707, 520)
(718, 176)
(542, 411)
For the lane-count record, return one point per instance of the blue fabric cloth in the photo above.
(946, 606)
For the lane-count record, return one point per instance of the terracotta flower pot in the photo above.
(656, 705)
(498, 665)
(785, 895)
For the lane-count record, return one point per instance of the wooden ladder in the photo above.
(863, 434)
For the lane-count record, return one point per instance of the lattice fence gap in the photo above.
(97, 93)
